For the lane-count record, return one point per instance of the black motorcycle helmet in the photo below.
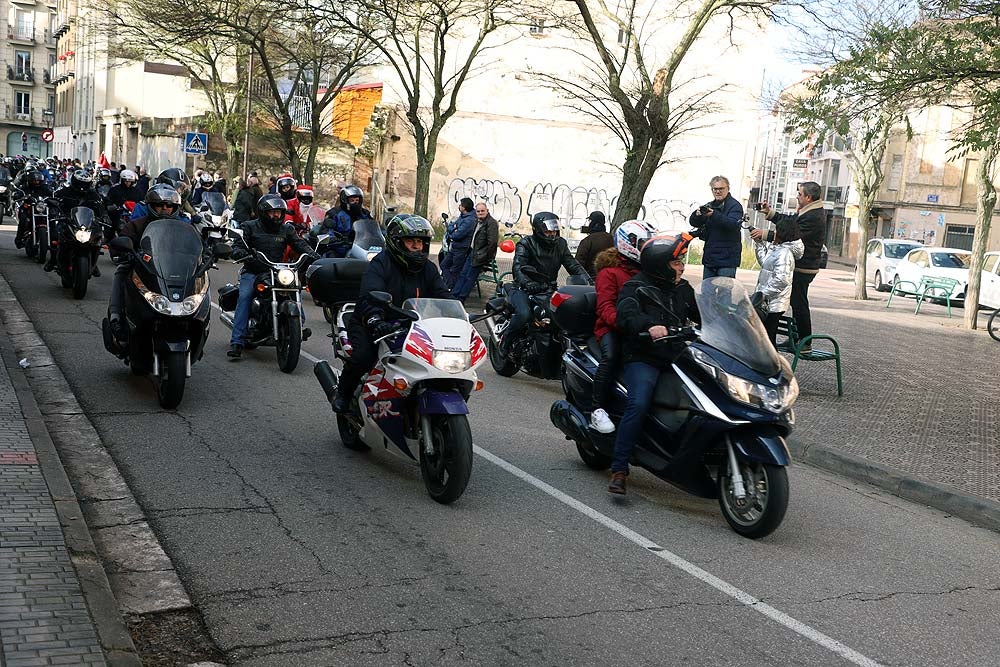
(81, 180)
(162, 201)
(285, 187)
(35, 179)
(347, 193)
(271, 210)
(658, 252)
(543, 222)
(407, 226)
(104, 176)
(175, 178)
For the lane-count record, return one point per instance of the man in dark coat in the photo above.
(720, 222)
(483, 251)
(597, 240)
(811, 220)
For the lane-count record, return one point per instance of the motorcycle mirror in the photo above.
(381, 298)
(121, 244)
(222, 250)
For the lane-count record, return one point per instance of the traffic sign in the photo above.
(196, 143)
(48, 135)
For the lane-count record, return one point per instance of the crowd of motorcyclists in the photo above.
(640, 292)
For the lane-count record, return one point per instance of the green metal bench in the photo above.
(929, 287)
(490, 274)
(794, 345)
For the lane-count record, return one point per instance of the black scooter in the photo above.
(722, 409)
(167, 306)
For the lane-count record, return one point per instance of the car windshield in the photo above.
(367, 234)
(215, 201)
(951, 260)
(729, 324)
(428, 308)
(898, 250)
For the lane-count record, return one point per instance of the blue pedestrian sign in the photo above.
(196, 143)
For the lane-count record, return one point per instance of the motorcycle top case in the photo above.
(229, 294)
(336, 280)
(576, 314)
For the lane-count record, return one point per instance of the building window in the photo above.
(22, 103)
(52, 104)
(537, 26)
(895, 173)
(622, 37)
(24, 25)
(22, 63)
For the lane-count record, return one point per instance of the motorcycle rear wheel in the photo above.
(328, 314)
(289, 343)
(81, 276)
(765, 509)
(349, 434)
(173, 374)
(592, 457)
(446, 472)
(503, 367)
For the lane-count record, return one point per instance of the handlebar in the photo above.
(673, 334)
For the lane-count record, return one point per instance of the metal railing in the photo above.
(20, 74)
(14, 114)
(21, 33)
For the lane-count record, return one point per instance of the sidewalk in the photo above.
(56, 607)
(920, 414)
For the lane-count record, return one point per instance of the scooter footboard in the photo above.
(763, 446)
(442, 403)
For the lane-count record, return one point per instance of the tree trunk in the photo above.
(986, 200)
(861, 267)
(426, 153)
(637, 173)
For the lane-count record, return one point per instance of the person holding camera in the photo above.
(719, 223)
(811, 219)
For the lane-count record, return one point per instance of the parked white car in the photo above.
(937, 263)
(989, 288)
(883, 256)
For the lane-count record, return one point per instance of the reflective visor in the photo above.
(551, 225)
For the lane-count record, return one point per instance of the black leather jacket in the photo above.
(385, 275)
(546, 259)
(641, 305)
(272, 244)
(70, 198)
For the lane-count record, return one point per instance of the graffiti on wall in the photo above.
(501, 197)
(666, 214)
(571, 203)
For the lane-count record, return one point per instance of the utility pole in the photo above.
(246, 129)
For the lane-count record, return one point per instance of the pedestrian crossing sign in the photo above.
(196, 143)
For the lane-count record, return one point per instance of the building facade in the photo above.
(27, 88)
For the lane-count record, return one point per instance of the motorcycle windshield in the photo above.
(82, 217)
(174, 249)
(368, 235)
(215, 201)
(729, 324)
(428, 308)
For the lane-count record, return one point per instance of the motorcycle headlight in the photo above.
(40, 207)
(286, 277)
(451, 361)
(190, 305)
(3, 188)
(82, 235)
(159, 302)
(774, 399)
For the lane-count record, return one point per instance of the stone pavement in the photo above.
(920, 414)
(56, 607)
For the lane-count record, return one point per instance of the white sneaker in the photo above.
(600, 422)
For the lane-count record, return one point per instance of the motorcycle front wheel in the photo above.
(763, 509)
(41, 246)
(502, 366)
(173, 374)
(446, 469)
(289, 343)
(81, 276)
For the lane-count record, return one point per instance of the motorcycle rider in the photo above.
(28, 184)
(655, 299)
(402, 270)
(122, 198)
(340, 220)
(270, 235)
(103, 183)
(205, 184)
(537, 260)
(162, 201)
(176, 179)
(79, 192)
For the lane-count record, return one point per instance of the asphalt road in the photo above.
(300, 552)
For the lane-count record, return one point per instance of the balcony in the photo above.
(21, 34)
(20, 116)
(48, 38)
(21, 75)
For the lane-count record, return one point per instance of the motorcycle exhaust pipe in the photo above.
(327, 378)
(493, 327)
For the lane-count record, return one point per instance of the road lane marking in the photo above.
(740, 595)
(302, 353)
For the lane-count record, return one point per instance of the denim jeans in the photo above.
(452, 265)
(466, 281)
(242, 315)
(717, 271)
(640, 381)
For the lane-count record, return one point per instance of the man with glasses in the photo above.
(483, 251)
(720, 222)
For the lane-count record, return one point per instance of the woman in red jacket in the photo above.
(615, 266)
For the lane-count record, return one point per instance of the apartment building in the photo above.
(27, 88)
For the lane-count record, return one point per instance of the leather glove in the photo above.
(533, 287)
(382, 328)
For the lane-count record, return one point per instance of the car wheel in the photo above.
(879, 285)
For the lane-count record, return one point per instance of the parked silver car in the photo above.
(883, 256)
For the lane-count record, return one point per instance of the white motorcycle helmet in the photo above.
(630, 237)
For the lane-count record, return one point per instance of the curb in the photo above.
(978, 511)
(112, 633)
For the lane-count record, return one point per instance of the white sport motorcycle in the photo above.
(414, 400)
